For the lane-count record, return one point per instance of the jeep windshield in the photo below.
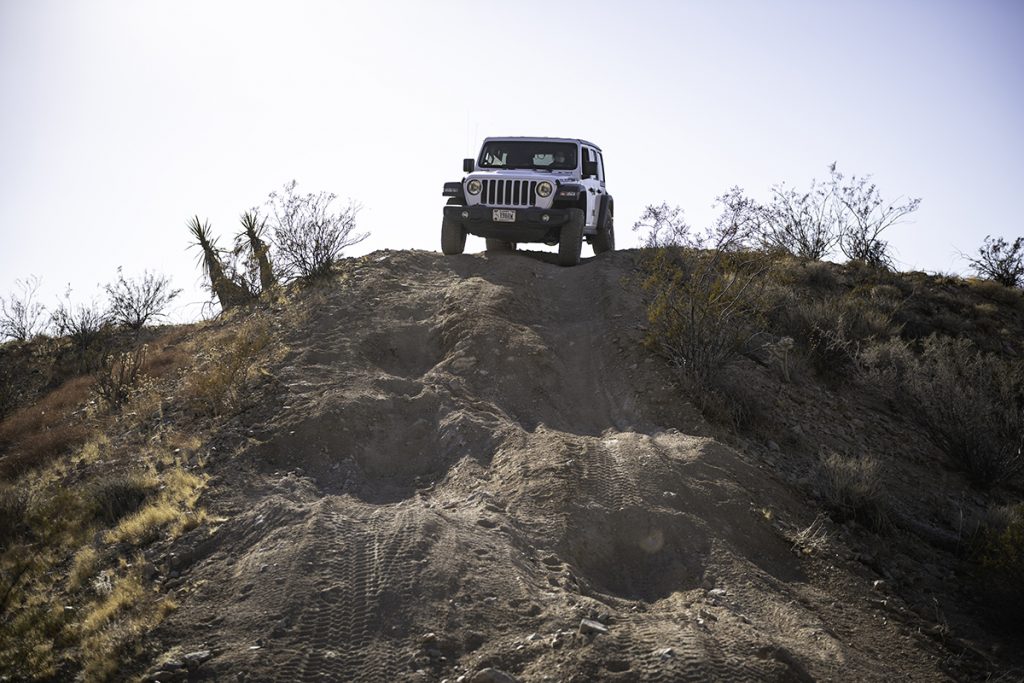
(539, 155)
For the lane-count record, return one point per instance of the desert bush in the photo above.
(706, 293)
(800, 223)
(885, 363)
(215, 385)
(82, 323)
(22, 317)
(86, 326)
(135, 302)
(1000, 261)
(308, 233)
(971, 402)
(117, 495)
(852, 489)
(1000, 294)
(704, 307)
(865, 218)
(119, 375)
(662, 226)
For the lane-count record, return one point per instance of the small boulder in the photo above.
(194, 659)
(493, 676)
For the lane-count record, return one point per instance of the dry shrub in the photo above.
(119, 375)
(852, 489)
(971, 402)
(215, 386)
(120, 494)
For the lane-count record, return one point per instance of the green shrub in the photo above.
(704, 307)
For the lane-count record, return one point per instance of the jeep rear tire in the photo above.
(570, 240)
(453, 237)
(604, 240)
(499, 245)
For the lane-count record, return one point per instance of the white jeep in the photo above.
(549, 190)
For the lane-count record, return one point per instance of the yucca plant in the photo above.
(253, 230)
(228, 292)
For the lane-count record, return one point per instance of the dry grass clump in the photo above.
(173, 509)
(852, 489)
(83, 567)
(215, 385)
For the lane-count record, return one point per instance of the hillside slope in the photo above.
(468, 456)
(472, 468)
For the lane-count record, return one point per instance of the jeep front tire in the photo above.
(570, 240)
(453, 237)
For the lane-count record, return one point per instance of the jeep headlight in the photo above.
(544, 189)
(473, 187)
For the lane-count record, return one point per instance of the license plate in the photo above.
(504, 215)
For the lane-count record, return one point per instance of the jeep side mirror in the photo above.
(589, 168)
(467, 165)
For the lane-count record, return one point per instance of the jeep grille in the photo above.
(509, 192)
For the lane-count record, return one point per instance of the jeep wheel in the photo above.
(499, 245)
(570, 240)
(604, 240)
(453, 237)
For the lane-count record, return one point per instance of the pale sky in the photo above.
(122, 119)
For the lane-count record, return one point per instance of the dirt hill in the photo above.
(470, 468)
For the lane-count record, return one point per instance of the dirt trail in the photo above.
(471, 455)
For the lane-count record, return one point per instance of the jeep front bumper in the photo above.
(530, 224)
